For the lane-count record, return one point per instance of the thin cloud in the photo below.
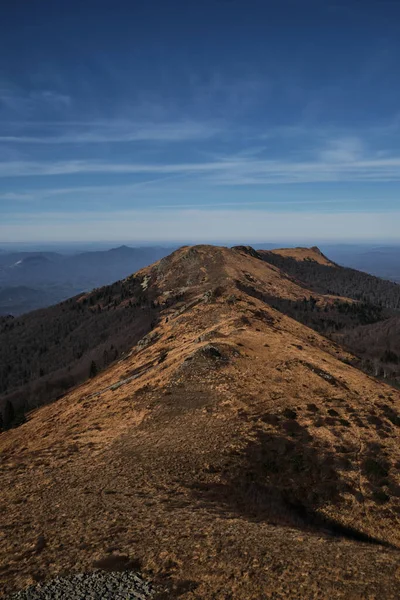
(29, 168)
(15, 196)
(15, 101)
(236, 172)
(343, 150)
(118, 131)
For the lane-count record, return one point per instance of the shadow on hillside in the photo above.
(283, 478)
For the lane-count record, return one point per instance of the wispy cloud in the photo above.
(17, 102)
(70, 167)
(343, 150)
(16, 197)
(234, 171)
(116, 131)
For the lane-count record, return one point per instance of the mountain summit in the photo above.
(226, 449)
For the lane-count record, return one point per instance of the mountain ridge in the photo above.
(230, 452)
(303, 254)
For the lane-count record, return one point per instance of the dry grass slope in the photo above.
(305, 254)
(231, 454)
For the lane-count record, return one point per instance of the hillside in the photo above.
(368, 326)
(19, 299)
(379, 345)
(46, 352)
(300, 254)
(231, 453)
(317, 273)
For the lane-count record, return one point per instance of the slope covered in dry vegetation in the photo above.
(232, 452)
(365, 315)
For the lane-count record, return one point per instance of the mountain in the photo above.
(11, 259)
(368, 323)
(316, 272)
(53, 277)
(300, 254)
(228, 451)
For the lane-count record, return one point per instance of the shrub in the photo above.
(374, 468)
(8, 414)
(93, 369)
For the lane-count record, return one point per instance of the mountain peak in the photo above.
(247, 250)
(122, 248)
(303, 254)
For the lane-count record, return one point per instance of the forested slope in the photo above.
(339, 281)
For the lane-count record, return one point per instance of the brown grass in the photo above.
(301, 254)
(245, 460)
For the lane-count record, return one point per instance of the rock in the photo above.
(147, 339)
(98, 585)
(211, 351)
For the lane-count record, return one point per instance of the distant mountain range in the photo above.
(31, 280)
(382, 261)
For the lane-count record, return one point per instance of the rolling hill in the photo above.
(228, 451)
(367, 323)
(32, 280)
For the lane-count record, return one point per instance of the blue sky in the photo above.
(197, 121)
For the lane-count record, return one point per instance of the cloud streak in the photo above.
(230, 172)
(117, 131)
(15, 101)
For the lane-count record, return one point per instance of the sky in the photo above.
(200, 121)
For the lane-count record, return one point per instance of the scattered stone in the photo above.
(145, 283)
(98, 585)
(324, 374)
(148, 339)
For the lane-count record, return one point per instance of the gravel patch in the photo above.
(98, 585)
